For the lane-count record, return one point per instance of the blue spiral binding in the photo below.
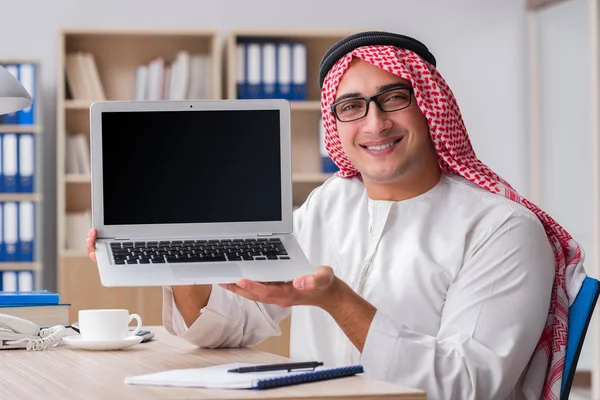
(314, 376)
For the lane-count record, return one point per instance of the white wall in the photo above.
(566, 154)
(480, 46)
(566, 151)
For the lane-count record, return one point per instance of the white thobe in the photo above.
(461, 279)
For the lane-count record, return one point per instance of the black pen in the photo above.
(278, 367)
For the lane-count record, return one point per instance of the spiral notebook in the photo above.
(217, 377)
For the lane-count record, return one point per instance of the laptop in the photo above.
(193, 192)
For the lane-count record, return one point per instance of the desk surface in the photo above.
(64, 373)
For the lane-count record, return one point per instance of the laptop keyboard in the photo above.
(178, 251)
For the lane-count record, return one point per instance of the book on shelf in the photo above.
(187, 77)
(26, 163)
(17, 162)
(17, 222)
(83, 78)
(13, 281)
(78, 154)
(269, 69)
(25, 73)
(77, 227)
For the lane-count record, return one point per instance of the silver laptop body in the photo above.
(193, 192)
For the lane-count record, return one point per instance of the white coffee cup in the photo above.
(107, 324)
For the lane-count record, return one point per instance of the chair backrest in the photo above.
(580, 314)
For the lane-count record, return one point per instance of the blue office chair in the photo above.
(580, 314)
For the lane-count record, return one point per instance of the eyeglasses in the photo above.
(390, 100)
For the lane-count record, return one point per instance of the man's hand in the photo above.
(310, 290)
(91, 243)
(324, 290)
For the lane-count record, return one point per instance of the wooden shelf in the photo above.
(70, 253)
(20, 197)
(305, 119)
(311, 105)
(125, 33)
(78, 178)
(20, 266)
(78, 104)
(117, 53)
(317, 42)
(295, 34)
(37, 129)
(20, 128)
(20, 60)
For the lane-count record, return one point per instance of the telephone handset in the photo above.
(18, 333)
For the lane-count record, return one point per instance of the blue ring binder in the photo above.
(308, 377)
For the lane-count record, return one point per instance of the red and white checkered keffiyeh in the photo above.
(456, 155)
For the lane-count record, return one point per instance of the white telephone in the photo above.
(18, 333)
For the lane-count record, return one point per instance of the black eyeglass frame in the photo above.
(370, 99)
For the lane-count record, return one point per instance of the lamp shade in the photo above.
(13, 96)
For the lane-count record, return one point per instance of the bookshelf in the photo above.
(305, 116)
(306, 162)
(117, 53)
(36, 129)
(20, 128)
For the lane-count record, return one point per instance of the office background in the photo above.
(482, 50)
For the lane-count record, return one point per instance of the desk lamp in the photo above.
(13, 96)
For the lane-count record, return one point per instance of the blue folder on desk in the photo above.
(38, 297)
(217, 377)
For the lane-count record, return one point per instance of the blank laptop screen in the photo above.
(165, 167)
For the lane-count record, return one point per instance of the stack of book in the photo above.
(189, 76)
(41, 307)
(271, 69)
(26, 74)
(83, 79)
(17, 241)
(78, 154)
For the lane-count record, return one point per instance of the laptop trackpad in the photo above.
(220, 270)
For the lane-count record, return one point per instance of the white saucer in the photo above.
(77, 342)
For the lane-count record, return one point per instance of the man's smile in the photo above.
(381, 146)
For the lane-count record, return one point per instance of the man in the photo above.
(431, 271)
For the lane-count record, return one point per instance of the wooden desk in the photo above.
(66, 373)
